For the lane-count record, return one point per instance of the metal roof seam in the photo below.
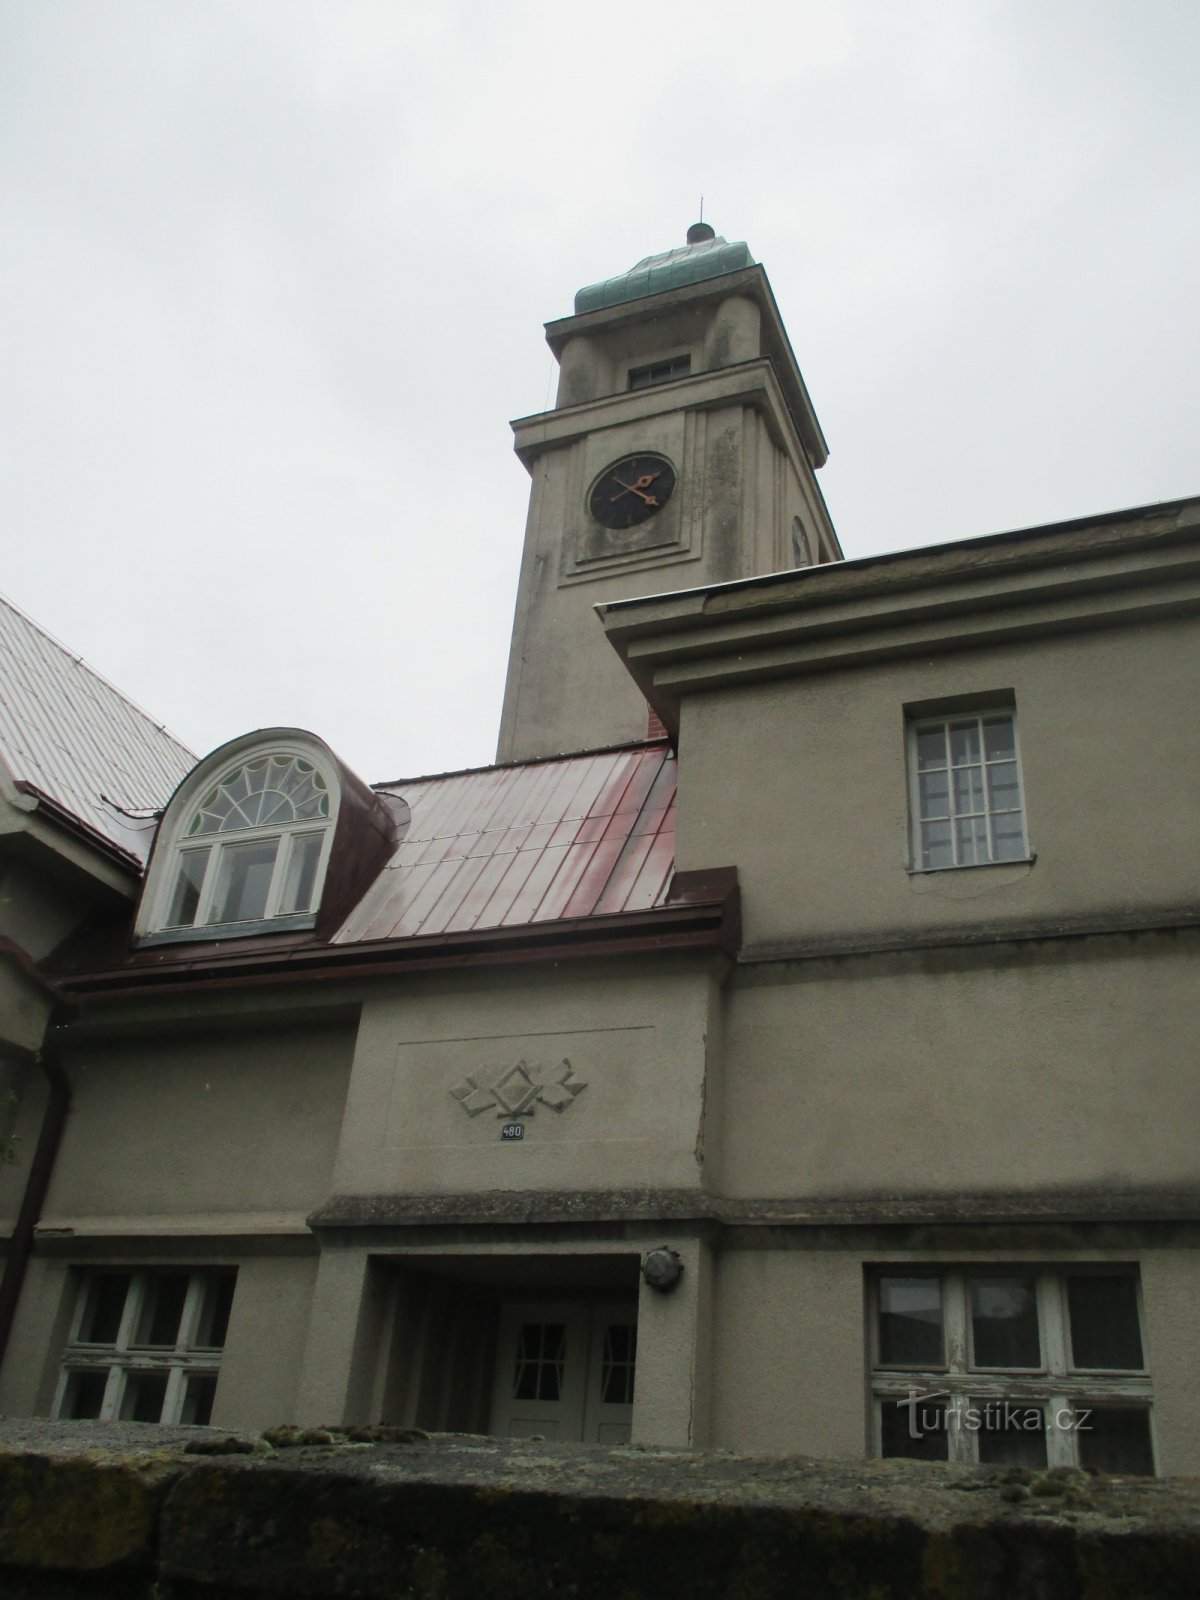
(606, 805)
(73, 734)
(525, 845)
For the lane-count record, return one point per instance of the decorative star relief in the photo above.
(517, 1090)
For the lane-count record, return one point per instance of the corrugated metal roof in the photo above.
(75, 738)
(582, 836)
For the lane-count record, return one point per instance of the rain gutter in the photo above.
(702, 911)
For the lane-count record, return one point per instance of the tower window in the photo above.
(659, 372)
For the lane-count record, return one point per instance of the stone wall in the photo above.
(106, 1510)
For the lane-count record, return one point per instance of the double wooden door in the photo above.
(566, 1370)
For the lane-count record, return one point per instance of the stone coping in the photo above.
(108, 1509)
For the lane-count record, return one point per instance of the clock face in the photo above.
(632, 491)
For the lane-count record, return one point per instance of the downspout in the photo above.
(20, 1245)
(41, 1168)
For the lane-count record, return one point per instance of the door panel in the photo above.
(608, 1413)
(565, 1370)
(540, 1371)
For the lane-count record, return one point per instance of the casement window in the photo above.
(1012, 1365)
(247, 852)
(145, 1346)
(966, 802)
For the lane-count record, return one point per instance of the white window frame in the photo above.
(175, 846)
(219, 844)
(944, 720)
(1057, 1387)
(123, 1359)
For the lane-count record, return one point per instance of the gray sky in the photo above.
(273, 274)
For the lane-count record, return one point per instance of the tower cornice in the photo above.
(750, 283)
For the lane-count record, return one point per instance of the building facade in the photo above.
(787, 1046)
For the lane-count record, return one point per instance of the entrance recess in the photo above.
(565, 1370)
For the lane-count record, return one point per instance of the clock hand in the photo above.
(646, 479)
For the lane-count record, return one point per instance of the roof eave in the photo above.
(702, 912)
(58, 814)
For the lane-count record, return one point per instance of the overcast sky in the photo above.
(273, 274)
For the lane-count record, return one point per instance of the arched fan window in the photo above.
(253, 845)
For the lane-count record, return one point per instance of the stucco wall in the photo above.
(1052, 1065)
(1111, 765)
(194, 1125)
(1170, 1297)
(264, 1347)
(789, 1365)
(634, 1035)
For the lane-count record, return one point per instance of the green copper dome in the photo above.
(704, 256)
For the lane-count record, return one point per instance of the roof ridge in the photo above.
(514, 766)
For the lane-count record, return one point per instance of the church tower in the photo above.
(681, 451)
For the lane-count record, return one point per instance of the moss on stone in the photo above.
(76, 1514)
(456, 1517)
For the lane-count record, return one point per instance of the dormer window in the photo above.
(253, 845)
(244, 846)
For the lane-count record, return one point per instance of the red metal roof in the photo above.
(582, 836)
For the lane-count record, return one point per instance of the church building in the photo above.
(787, 1045)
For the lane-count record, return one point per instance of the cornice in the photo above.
(749, 282)
(1129, 568)
(1112, 923)
(595, 1209)
(750, 383)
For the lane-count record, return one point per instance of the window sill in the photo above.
(975, 866)
(227, 930)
